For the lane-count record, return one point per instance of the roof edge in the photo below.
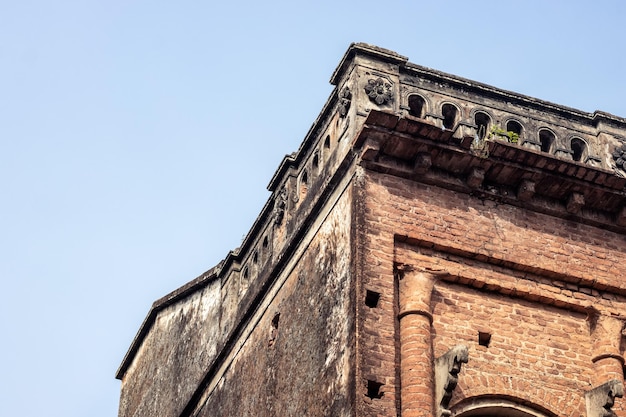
(365, 49)
(159, 305)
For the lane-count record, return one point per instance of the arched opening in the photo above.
(326, 149)
(449, 113)
(516, 128)
(579, 149)
(498, 407)
(546, 138)
(482, 121)
(245, 279)
(416, 106)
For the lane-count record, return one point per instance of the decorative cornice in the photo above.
(493, 169)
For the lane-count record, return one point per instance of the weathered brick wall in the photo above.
(532, 281)
(298, 359)
(537, 353)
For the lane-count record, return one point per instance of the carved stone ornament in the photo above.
(447, 368)
(379, 91)
(345, 98)
(280, 206)
(619, 156)
(600, 400)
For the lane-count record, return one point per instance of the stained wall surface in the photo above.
(299, 357)
(174, 356)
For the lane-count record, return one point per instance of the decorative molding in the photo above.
(475, 178)
(422, 164)
(479, 147)
(379, 91)
(619, 157)
(345, 99)
(418, 312)
(575, 203)
(280, 206)
(600, 400)
(447, 368)
(526, 190)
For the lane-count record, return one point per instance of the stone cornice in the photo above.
(420, 151)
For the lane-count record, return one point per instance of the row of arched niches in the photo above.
(544, 139)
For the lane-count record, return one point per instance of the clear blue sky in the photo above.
(137, 139)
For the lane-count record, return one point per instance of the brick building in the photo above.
(435, 247)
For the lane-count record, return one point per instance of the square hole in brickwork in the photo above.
(373, 389)
(484, 338)
(371, 299)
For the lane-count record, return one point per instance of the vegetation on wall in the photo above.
(510, 136)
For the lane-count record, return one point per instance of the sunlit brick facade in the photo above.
(436, 247)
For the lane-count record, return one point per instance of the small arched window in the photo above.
(482, 121)
(515, 127)
(546, 138)
(316, 162)
(579, 149)
(416, 106)
(449, 113)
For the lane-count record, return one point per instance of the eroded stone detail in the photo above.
(447, 368)
(379, 91)
(479, 147)
(619, 156)
(345, 99)
(600, 400)
(280, 206)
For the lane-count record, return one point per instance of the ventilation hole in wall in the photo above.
(274, 330)
(305, 178)
(265, 242)
(373, 389)
(245, 273)
(327, 142)
(484, 338)
(371, 299)
(255, 257)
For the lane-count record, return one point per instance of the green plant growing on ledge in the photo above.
(498, 131)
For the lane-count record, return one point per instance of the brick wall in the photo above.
(535, 283)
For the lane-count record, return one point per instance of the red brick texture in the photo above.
(547, 290)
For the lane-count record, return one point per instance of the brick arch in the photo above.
(498, 406)
(564, 402)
